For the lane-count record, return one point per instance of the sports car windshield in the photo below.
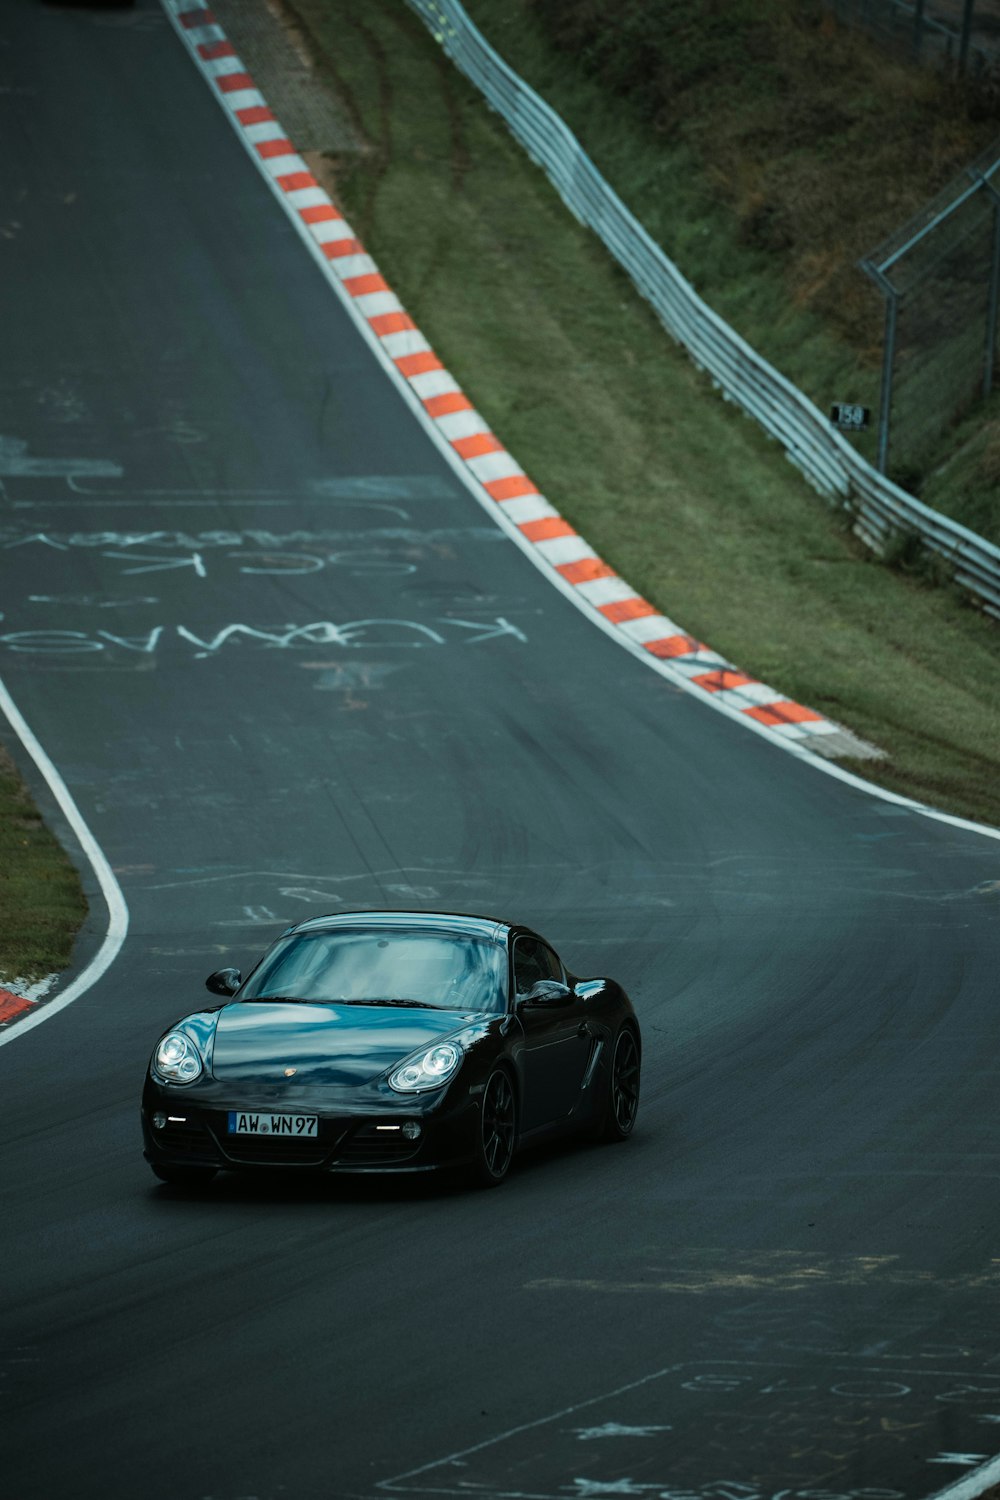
(449, 971)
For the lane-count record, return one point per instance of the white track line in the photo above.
(973, 1484)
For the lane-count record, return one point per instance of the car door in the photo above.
(557, 1041)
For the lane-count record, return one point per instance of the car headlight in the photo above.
(176, 1059)
(427, 1070)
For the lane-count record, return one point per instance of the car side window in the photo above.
(534, 960)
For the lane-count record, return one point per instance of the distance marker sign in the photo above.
(849, 418)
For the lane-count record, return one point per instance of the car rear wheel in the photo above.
(193, 1177)
(621, 1103)
(497, 1134)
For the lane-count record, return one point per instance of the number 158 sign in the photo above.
(849, 418)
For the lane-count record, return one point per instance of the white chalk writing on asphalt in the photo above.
(352, 634)
(253, 553)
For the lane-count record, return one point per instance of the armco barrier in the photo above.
(881, 509)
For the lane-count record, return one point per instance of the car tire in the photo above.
(496, 1133)
(616, 1118)
(193, 1177)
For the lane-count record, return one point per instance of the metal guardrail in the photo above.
(882, 510)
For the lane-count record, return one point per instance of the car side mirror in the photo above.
(224, 981)
(546, 992)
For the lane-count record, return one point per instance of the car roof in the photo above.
(488, 928)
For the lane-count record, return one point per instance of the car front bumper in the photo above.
(349, 1140)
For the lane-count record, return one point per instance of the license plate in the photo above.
(259, 1122)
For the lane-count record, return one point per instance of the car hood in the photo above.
(255, 1041)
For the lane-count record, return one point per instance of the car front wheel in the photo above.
(621, 1103)
(497, 1134)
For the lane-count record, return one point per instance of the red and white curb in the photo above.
(17, 996)
(493, 473)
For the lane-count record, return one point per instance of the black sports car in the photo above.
(391, 1041)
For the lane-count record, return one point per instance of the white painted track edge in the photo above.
(118, 916)
(972, 1485)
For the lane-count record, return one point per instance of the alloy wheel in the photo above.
(499, 1119)
(624, 1085)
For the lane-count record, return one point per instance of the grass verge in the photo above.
(684, 496)
(41, 903)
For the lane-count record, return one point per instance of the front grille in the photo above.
(338, 1144)
(275, 1150)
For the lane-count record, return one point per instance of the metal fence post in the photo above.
(887, 289)
(989, 359)
(963, 46)
(918, 27)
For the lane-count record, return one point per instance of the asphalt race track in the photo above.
(788, 1280)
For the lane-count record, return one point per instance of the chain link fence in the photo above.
(940, 277)
(958, 35)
